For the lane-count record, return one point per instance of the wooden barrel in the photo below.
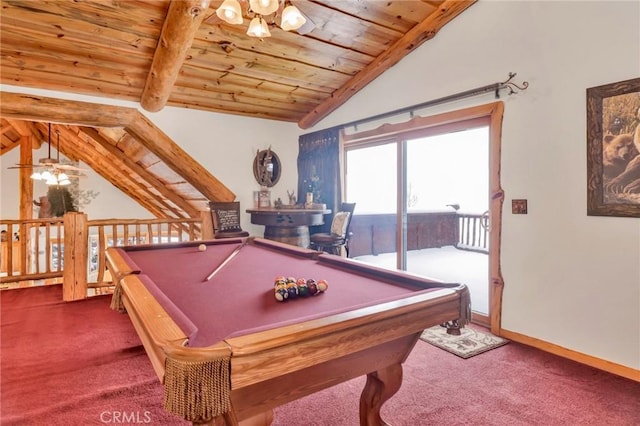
(294, 235)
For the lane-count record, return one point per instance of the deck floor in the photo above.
(446, 264)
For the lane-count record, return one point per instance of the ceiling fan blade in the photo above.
(68, 167)
(23, 166)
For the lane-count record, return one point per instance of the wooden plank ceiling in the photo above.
(178, 53)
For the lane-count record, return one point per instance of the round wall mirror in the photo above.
(266, 168)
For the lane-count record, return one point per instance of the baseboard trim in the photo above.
(600, 364)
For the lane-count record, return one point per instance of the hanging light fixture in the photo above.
(53, 176)
(230, 12)
(258, 28)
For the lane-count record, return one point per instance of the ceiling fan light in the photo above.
(292, 19)
(264, 7)
(230, 12)
(258, 28)
(46, 175)
(63, 176)
(36, 176)
(64, 182)
(51, 180)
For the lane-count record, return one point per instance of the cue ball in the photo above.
(202, 247)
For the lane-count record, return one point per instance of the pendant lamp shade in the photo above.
(292, 19)
(258, 28)
(230, 12)
(264, 7)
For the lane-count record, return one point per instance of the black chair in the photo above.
(226, 219)
(334, 241)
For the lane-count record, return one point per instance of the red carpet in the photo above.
(82, 364)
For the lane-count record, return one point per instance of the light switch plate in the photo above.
(519, 206)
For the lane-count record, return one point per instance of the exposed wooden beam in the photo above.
(8, 145)
(40, 108)
(27, 128)
(135, 168)
(6, 128)
(118, 179)
(178, 160)
(422, 32)
(179, 29)
(26, 183)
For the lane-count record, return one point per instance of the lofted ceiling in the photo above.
(179, 53)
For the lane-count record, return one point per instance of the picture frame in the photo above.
(613, 149)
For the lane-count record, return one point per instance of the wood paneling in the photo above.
(179, 53)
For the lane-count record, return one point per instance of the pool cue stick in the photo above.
(224, 262)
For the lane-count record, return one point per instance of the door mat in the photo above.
(469, 343)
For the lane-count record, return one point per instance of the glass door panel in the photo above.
(371, 182)
(447, 188)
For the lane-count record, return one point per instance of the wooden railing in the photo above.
(73, 247)
(376, 233)
(31, 249)
(474, 232)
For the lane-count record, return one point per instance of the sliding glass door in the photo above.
(417, 197)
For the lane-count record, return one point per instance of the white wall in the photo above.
(226, 145)
(570, 279)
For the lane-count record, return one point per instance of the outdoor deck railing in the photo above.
(377, 233)
(473, 230)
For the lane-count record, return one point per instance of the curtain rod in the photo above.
(495, 87)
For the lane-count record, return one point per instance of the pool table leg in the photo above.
(381, 385)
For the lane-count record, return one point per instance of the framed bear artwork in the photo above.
(613, 149)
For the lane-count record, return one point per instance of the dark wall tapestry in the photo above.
(319, 171)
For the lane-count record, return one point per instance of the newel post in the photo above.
(207, 225)
(74, 275)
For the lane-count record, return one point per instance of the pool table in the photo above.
(227, 352)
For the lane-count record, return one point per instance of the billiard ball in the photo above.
(303, 291)
(280, 289)
(312, 286)
(292, 290)
(202, 247)
(323, 285)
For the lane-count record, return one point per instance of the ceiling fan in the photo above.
(50, 169)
